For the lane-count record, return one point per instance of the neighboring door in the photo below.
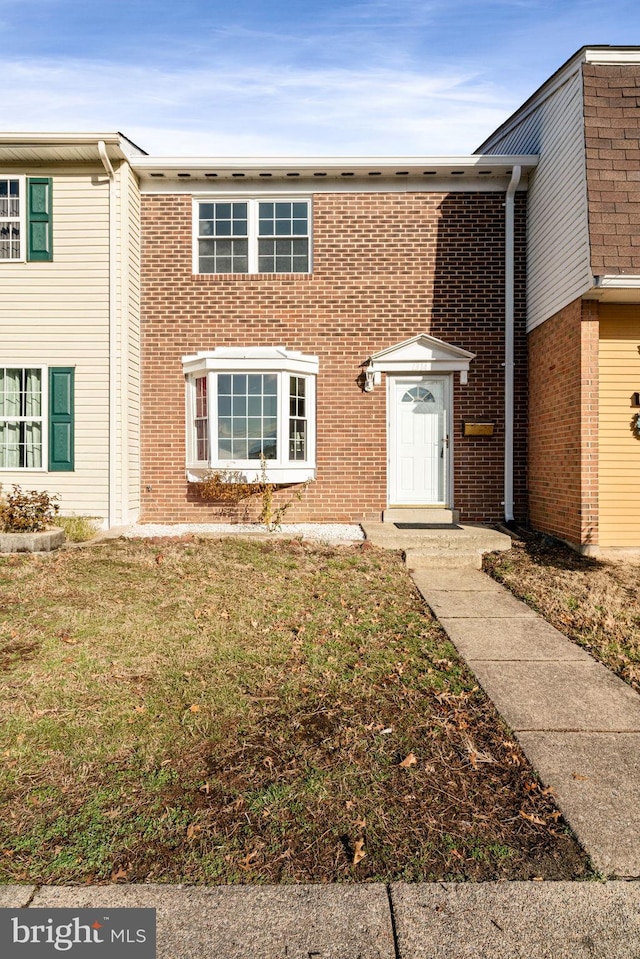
(418, 440)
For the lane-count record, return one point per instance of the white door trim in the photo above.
(447, 379)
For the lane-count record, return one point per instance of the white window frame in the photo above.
(22, 218)
(44, 416)
(253, 218)
(276, 360)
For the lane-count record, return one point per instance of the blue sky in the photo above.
(249, 77)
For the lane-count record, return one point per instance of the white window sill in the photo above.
(273, 474)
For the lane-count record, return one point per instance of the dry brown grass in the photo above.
(227, 711)
(595, 603)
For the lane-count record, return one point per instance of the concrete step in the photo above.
(417, 559)
(405, 514)
(433, 548)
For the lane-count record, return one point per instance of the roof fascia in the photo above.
(334, 166)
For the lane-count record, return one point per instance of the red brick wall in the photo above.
(563, 424)
(612, 131)
(386, 267)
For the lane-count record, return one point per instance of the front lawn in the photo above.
(230, 711)
(593, 602)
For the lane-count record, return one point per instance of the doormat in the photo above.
(427, 526)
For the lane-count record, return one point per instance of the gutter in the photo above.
(113, 343)
(509, 270)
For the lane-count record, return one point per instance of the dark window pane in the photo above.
(223, 211)
(206, 211)
(270, 405)
(239, 384)
(270, 428)
(206, 264)
(223, 228)
(283, 227)
(224, 449)
(239, 449)
(270, 384)
(254, 448)
(265, 210)
(254, 405)
(254, 427)
(239, 406)
(224, 426)
(224, 383)
(254, 384)
(270, 450)
(239, 427)
(207, 247)
(283, 209)
(206, 228)
(224, 406)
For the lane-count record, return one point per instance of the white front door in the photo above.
(418, 440)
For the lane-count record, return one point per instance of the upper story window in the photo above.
(252, 236)
(25, 219)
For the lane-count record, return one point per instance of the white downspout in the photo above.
(509, 341)
(113, 343)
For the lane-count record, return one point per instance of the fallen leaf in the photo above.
(350, 804)
(118, 874)
(193, 830)
(246, 862)
(360, 823)
(194, 709)
(205, 788)
(359, 852)
(578, 778)
(409, 760)
(532, 818)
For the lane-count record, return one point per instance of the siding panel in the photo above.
(57, 313)
(558, 229)
(619, 454)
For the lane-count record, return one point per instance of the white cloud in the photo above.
(242, 111)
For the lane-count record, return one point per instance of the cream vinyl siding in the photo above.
(58, 314)
(619, 446)
(558, 254)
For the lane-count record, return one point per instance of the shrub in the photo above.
(27, 512)
(78, 529)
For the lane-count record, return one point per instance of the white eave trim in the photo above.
(238, 359)
(617, 282)
(401, 167)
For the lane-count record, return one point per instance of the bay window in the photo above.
(249, 406)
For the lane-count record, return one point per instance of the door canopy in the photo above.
(421, 354)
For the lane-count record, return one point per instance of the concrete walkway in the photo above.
(514, 920)
(578, 724)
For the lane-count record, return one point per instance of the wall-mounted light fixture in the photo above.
(372, 377)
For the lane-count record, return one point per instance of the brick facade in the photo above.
(612, 142)
(563, 424)
(387, 266)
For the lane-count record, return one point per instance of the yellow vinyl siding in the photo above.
(57, 313)
(619, 446)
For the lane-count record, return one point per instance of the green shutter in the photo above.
(39, 222)
(61, 419)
